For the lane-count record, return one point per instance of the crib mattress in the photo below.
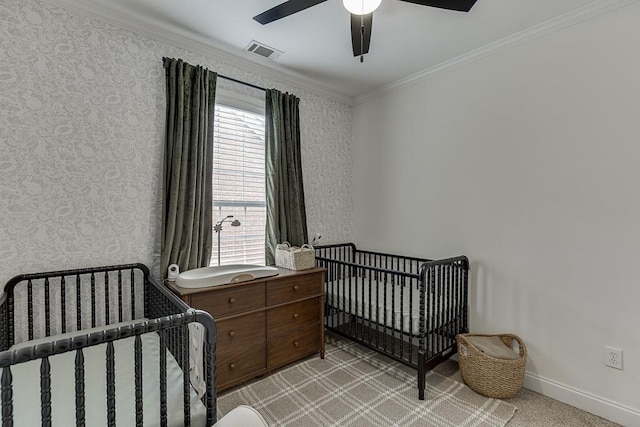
(26, 390)
(366, 299)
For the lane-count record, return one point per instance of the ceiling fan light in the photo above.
(361, 7)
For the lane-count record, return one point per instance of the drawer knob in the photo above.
(296, 315)
(296, 287)
(232, 366)
(232, 300)
(232, 334)
(296, 343)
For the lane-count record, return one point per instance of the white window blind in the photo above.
(239, 185)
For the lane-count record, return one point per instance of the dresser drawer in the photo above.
(291, 289)
(242, 330)
(227, 301)
(241, 362)
(292, 316)
(292, 346)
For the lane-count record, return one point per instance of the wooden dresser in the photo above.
(262, 324)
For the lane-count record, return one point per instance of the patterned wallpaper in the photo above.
(82, 109)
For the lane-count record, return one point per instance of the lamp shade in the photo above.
(361, 7)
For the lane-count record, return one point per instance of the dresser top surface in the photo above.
(283, 273)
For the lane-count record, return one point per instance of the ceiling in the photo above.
(316, 43)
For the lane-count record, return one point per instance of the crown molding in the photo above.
(183, 39)
(579, 15)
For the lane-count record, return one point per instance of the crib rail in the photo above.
(347, 252)
(72, 300)
(175, 324)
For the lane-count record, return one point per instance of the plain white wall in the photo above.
(527, 162)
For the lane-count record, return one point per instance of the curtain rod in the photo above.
(241, 82)
(164, 63)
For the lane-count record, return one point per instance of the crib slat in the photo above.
(385, 302)
(353, 305)
(401, 314)
(457, 298)
(107, 318)
(450, 303)
(446, 303)
(425, 308)
(47, 309)
(133, 295)
(63, 305)
(445, 311)
(443, 307)
(30, 308)
(163, 378)
(465, 296)
(80, 398)
(377, 307)
(138, 379)
(440, 307)
(93, 300)
(461, 298)
(186, 388)
(411, 331)
(11, 319)
(45, 392)
(7, 397)
(210, 354)
(437, 308)
(440, 310)
(111, 386)
(78, 304)
(459, 324)
(120, 302)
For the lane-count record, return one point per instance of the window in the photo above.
(239, 181)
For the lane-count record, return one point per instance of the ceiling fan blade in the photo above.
(460, 5)
(285, 9)
(361, 40)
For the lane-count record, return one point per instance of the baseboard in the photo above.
(596, 405)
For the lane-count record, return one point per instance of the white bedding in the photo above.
(26, 390)
(353, 296)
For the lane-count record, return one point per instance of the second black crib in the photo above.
(408, 308)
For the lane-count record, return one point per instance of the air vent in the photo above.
(263, 50)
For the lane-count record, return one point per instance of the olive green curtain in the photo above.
(186, 203)
(286, 213)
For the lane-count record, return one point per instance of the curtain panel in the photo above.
(187, 192)
(286, 213)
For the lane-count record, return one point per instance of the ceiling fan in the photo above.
(361, 15)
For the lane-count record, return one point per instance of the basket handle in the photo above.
(463, 351)
(307, 246)
(284, 246)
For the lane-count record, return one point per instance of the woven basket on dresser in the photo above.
(295, 258)
(489, 376)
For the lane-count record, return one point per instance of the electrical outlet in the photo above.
(613, 357)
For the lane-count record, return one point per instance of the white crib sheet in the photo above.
(366, 299)
(26, 387)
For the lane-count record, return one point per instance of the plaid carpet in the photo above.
(356, 386)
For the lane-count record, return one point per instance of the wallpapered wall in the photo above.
(82, 107)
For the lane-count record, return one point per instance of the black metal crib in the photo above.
(56, 324)
(408, 308)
